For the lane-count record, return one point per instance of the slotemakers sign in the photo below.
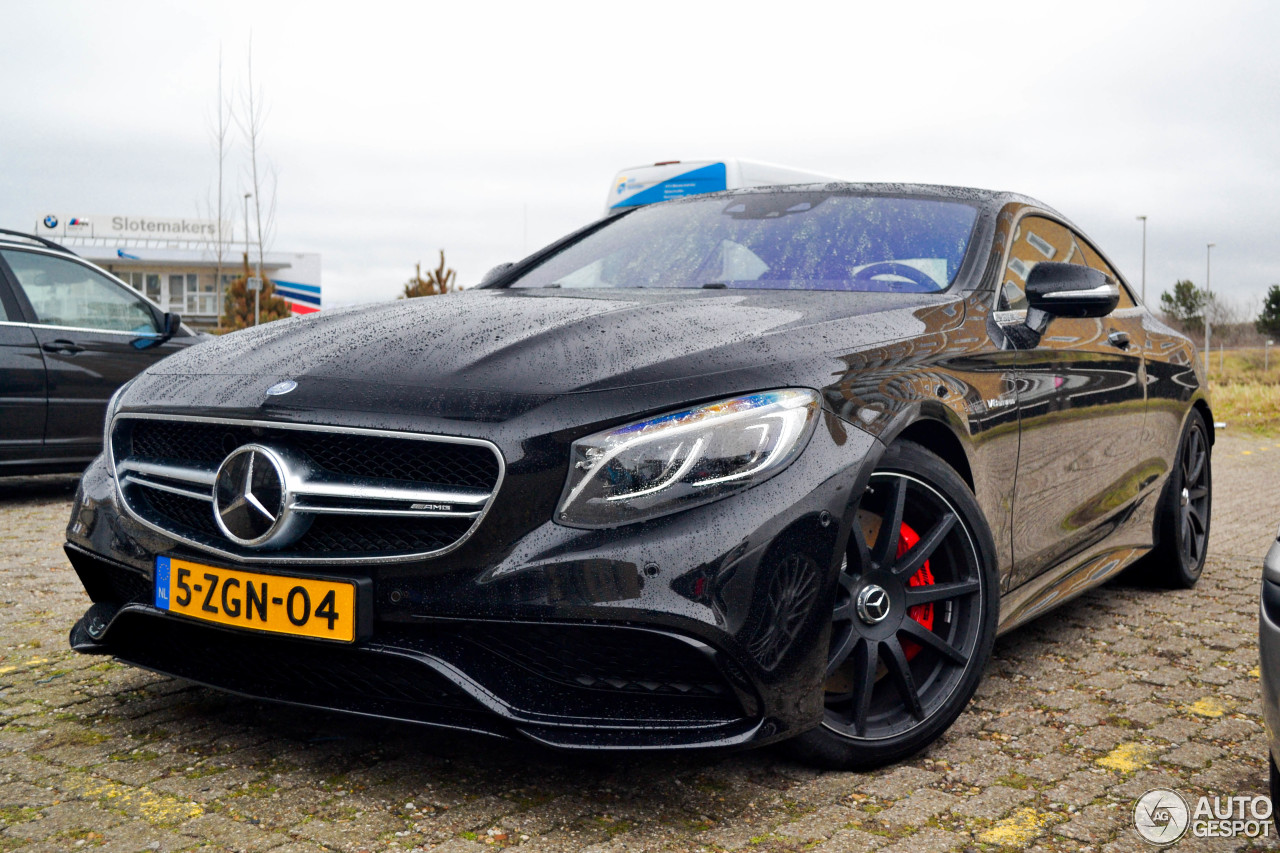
(180, 230)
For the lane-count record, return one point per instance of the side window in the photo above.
(66, 293)
(1035, 239)
(8, 306)
(1095, 260)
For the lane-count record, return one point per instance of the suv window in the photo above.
(8, 309)
(1038, 239)
(66, 293)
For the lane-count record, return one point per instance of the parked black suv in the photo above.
(70, 335)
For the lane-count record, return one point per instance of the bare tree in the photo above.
(251, 118)
(1231, 321)
(220, 129)
(267, 210)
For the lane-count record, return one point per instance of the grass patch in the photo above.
(1017, 780)
(1243, 394)
(204, 771)
(617, 827)
(78, 737)
(11, 815)
(1121, 722)
(258, 788)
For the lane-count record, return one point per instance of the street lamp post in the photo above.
(1144, 257)
(248, 196)
(1208, 297)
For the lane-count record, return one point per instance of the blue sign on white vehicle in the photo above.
(664, 181)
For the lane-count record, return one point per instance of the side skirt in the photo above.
(1061, 584)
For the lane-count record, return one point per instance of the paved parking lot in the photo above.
(1123, 690)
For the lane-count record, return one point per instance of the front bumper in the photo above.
(667, 634)
(1269, 646)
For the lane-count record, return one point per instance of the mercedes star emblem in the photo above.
(873, 604)
(251, 497)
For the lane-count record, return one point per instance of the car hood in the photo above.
(495, 355)
(552, 342)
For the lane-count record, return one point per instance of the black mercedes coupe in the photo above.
(765, 465)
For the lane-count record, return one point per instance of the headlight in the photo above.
(685, 458)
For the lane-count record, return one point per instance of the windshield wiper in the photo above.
(715, 285)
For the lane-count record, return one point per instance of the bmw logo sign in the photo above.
(281, 388)
(51, 221)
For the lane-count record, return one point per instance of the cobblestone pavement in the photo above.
(1123, 690)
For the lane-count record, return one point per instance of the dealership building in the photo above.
(174, 261)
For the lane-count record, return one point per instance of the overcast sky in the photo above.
(489, 129)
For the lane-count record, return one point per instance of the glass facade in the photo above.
(193, 295)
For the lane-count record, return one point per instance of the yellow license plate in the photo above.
(302, 607)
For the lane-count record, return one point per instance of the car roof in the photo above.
(992, 199)
(28, 241)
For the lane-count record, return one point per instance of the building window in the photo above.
(201, 297)
(177, 295)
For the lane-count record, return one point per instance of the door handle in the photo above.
(63, 346)
(1119, 339)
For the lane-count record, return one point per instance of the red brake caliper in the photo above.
(922, 613)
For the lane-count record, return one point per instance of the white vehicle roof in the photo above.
(654, 182)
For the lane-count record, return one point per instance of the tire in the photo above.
(912, 632)
(1183, 520)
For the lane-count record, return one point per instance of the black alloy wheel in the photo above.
(914, 615)
(1183, 522)
(1193, 499)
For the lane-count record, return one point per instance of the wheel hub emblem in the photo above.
(873, 604)
(1186, 496)
(251, 497)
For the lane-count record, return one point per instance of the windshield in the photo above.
(816, 240)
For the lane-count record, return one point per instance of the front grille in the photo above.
(361, 496)
(391, 458)
(355, 534)
(172, 441)
(335, 534)
(181, 511)
(429, 462)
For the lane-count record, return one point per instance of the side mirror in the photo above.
(496, 273)
(172, 325)
(1056, 289)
